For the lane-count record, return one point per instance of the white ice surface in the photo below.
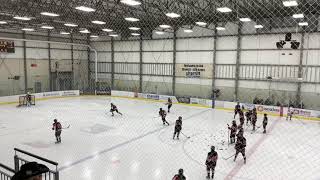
(136, 146)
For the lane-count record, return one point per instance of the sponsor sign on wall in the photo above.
(269, 109)
(153, 96)
(194, 70)
(8, 99)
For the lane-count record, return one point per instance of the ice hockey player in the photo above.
(241, 147)
(289, 113)
(114, 108)
(211, 162)
(163, 114)
(254, 119)
(177, 127)
(169, 103)
(241, 118)
(237, 109)
(28, 99)
(58, 128)
(248, 116)
(179, 176)
(240, 132)
(264, 123)
(233, 132)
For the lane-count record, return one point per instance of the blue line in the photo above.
(119, 145)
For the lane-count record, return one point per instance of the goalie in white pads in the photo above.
(28, 99)
(289, 113)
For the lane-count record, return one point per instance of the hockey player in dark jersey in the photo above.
(177, 127)
(240, 132)
(254, 119)
(241, 147)
(169, 103)
(237, 109)
(233, 132)
(248, 116)
(264, 123)
(289, 113)
(211, 162)
(114, 108)
(241, 118)
(179, 176)
(163, 114)
(58, 128)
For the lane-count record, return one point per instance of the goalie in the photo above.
(28, 99)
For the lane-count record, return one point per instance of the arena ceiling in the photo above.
(151, 14)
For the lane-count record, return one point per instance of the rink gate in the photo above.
(22, 157)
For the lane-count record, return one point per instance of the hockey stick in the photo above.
(67, 127)
(228, 157)
(185, 135)
(228, 136)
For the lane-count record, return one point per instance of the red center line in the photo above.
(239, 165)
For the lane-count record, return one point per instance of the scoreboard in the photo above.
(6, 46)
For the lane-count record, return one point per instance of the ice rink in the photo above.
(136, 146)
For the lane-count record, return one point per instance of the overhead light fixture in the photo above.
(201, 23)
(160, 32)
(94, 36)
(135, 34)
(220, 28)
(258, 26)
(290, 3)
(188, 30)
(27, 29)
(131, 2)
(224, 9)
(132, 19)
(303, 23)
(173, 15)
(47, 27)
(245, 19)
(86, 9)
(98, 22)
(71, 25)
(295, 45)
(49, 14)
(64, 33)
(3, 22)
(22, 18)
(164, 26)
(86, 31)
(134, 28)
(107, 30)
(298, 16)
(280, 44)
(113, 35)
(288, 37)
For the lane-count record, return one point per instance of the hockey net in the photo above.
(23, 100)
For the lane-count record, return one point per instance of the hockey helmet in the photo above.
(212, 148)
(180, 118)
(55, 120)
(180, 171)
